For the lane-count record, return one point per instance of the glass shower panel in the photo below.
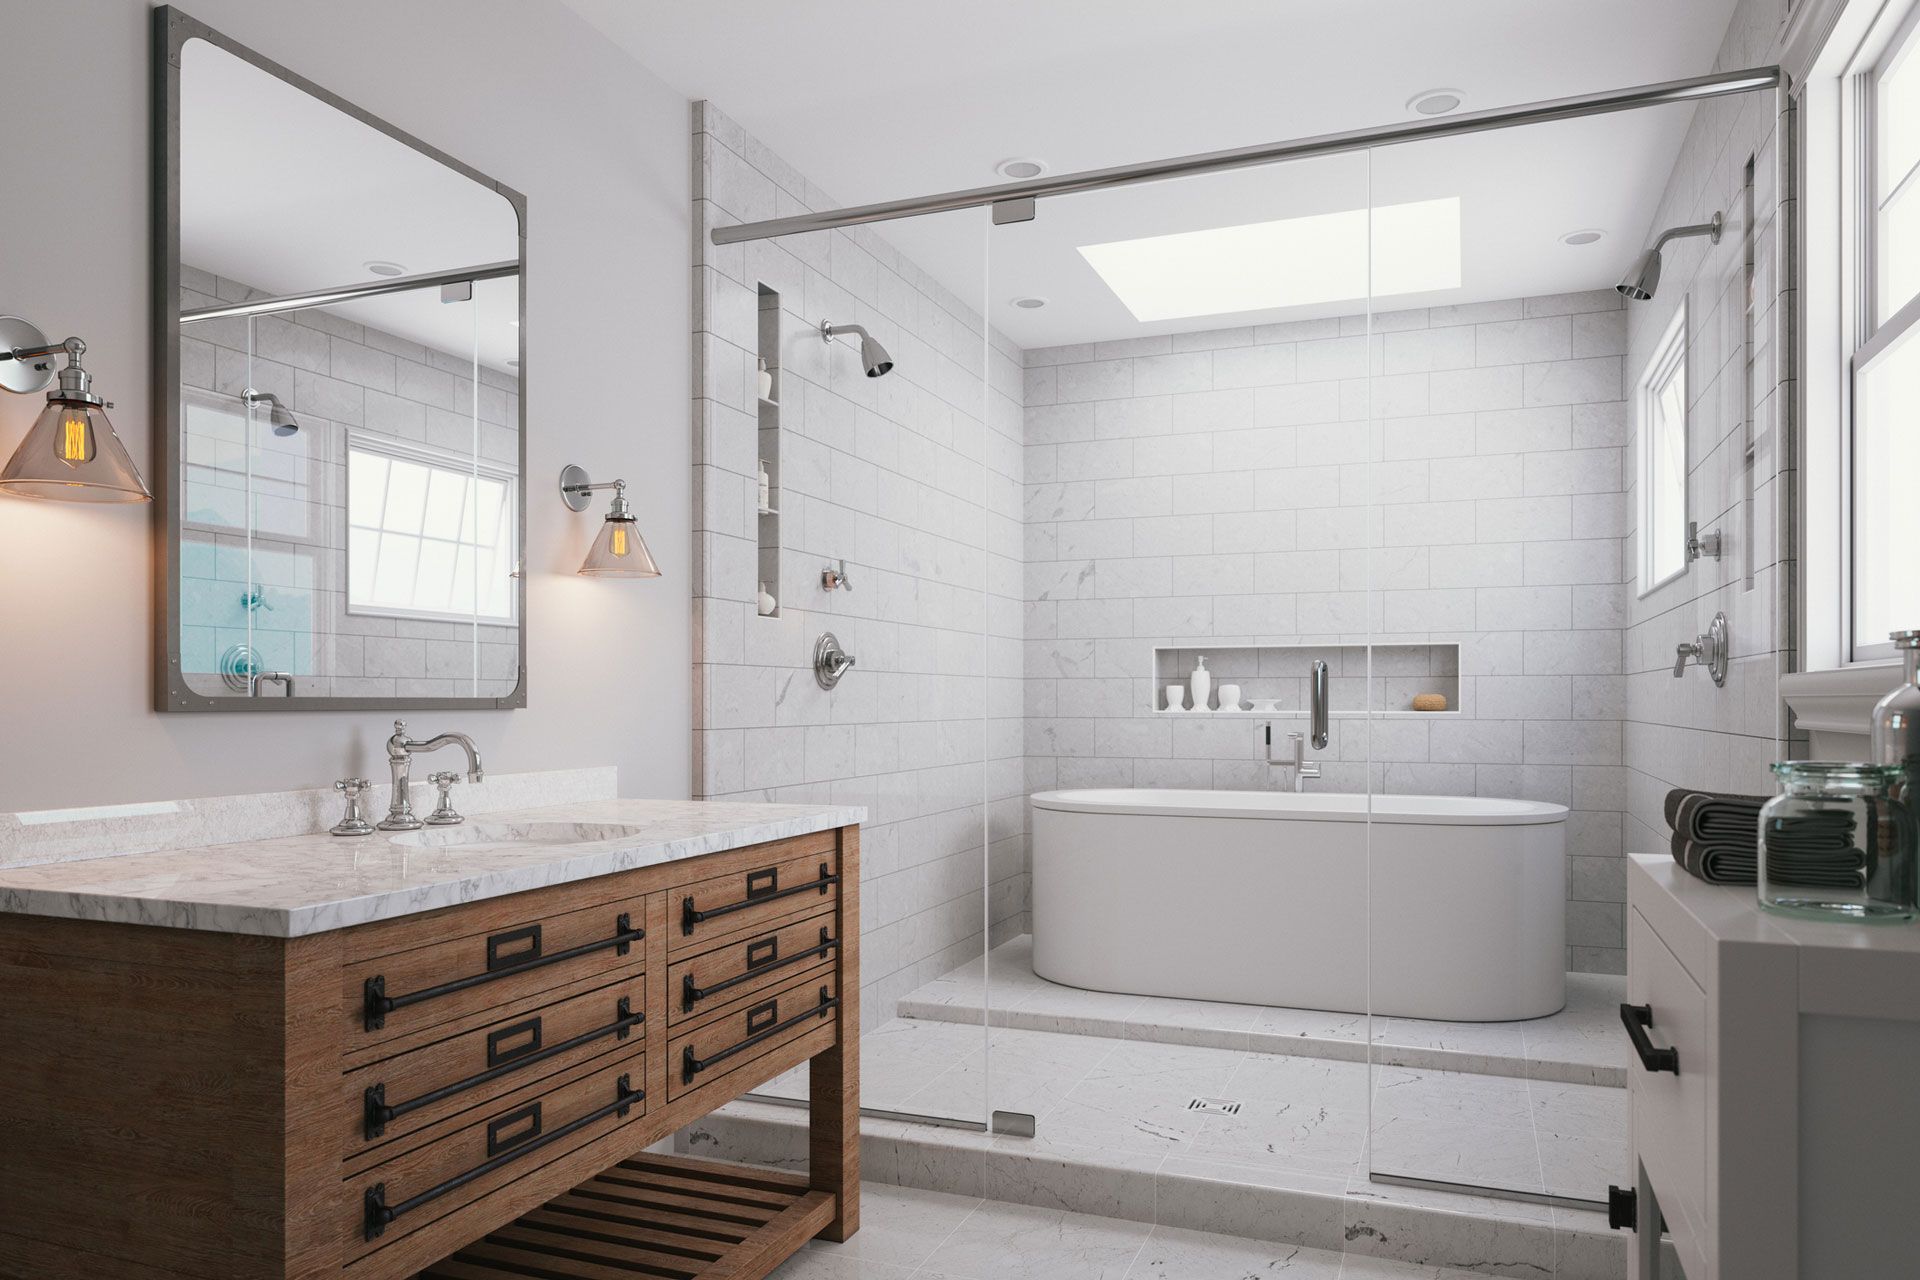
(874, 456)
(350, 523)
(1524, 719)
(1191, 411)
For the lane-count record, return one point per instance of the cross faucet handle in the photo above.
(444, 814)
(352, 823)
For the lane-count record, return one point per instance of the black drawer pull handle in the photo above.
(378, 1214)
(691, 1066)
(762, 1016)
(690, 917)
(378, 1004)
(691, 995)
(763, 882)
(379, 1112)
(763, 953)
(499, 958)
(499, 1051)
(1623, 1208)
(1636, 1018)
(498, 1137)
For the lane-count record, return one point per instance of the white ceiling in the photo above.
(282, 192)
(877, 99)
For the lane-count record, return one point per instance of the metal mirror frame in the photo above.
(172, 29)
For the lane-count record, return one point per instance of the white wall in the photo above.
(527, 93)
(914, 480)
(1216, 488)
(1688, 732)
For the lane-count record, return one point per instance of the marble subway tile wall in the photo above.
(334, 375)
(912, 478)
(1218, 488)
(1687, 732)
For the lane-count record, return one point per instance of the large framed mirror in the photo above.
(339, 329)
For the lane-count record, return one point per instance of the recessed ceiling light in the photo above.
(1436, 102)
(380, 268)
(1588, 236)
(1029, 304)
(1294, 262)
(1020, 167)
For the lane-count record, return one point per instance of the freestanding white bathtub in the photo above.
(1282, 899)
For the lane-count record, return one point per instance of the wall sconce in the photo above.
(71, 453)
(619, 551)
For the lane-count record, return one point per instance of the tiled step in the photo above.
(1581, 1045)
(1349, 1214)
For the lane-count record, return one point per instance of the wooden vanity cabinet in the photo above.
(462, 1093)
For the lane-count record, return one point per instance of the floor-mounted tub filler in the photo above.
(1445, 907)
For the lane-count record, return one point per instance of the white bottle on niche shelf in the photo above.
(765, 381)
(767, 603)
(1201, 682)
(766, 489)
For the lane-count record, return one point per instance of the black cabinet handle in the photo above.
(378, 1004)
(378, 1214)
(756, 894)
(378, 1111)
(690, 1066)
(691, 995)
(1636, 1018)
(1623, 1208)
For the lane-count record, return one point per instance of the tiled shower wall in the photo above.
(333, 374)
(1214, 488)
(1687, 732)
(913, 479)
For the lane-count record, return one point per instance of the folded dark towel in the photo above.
(1714, 817)
(1717, 863)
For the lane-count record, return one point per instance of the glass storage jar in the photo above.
(1835, 845)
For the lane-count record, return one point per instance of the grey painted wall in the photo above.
(1218, 488)
(599, 147)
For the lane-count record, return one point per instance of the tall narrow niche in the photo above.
(768, 491)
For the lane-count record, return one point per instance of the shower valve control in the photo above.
(1710, 651)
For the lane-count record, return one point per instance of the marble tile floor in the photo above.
(928, 1235)
(1582, 1044)
(1303, 1118)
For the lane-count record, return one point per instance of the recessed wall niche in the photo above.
(1281, 672)
(767, 499)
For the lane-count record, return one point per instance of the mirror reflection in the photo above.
(347, 504)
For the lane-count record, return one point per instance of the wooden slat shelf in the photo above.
(669, 1217)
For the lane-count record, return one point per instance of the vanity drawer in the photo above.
(394, 1097)
(796, 881)
(404, 991)
(715, 1049)
(498, 1144)
(743, 968)
(1669, 1107)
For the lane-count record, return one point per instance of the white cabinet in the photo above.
(1775, 1095)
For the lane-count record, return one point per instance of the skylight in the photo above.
(1292, 262)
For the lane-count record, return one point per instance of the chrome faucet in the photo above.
(400, 753)
(1296, 764)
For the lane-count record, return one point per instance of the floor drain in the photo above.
(1218, 1106)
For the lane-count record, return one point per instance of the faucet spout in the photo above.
(400, 753)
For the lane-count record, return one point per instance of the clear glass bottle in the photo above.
(1836, 845)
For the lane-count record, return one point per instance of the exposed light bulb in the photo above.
(618, 542)
(73, 443)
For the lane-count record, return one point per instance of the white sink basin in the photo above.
(485, 835)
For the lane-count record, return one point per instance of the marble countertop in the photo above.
(302, 884)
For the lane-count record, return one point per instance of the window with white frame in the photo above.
(429, 534)
(1660, 411)
(1881, 180)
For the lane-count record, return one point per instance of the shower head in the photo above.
(1640, 283)
(872, 354)
(279, 417)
